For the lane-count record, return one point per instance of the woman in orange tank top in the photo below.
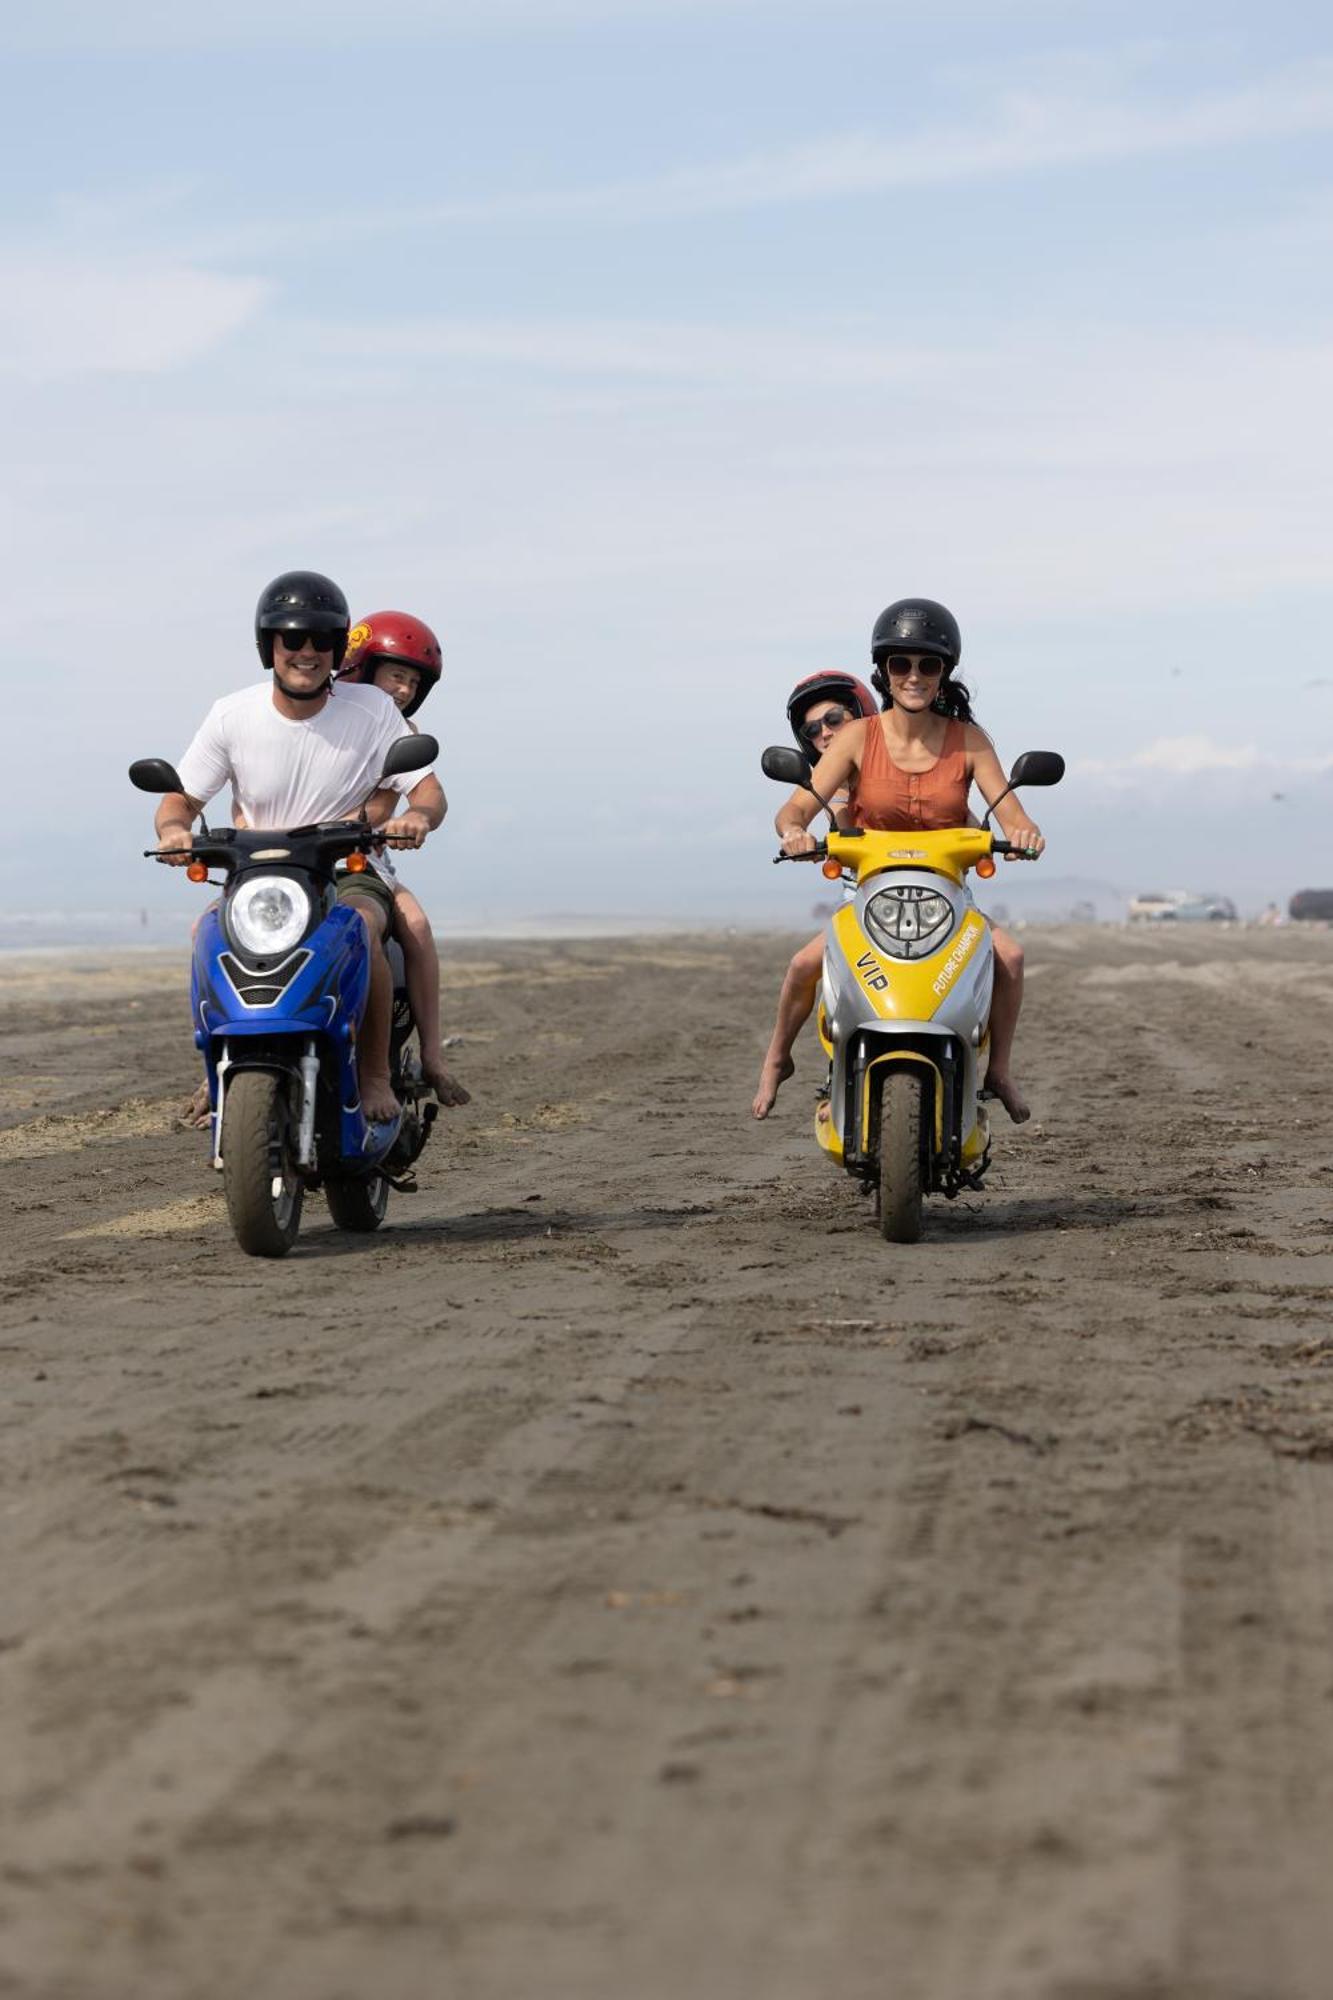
(912, 768)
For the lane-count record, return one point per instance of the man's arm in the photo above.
(206, 766)
(426, 807)
(173, 823)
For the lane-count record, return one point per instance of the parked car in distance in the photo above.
(1311, 906)
(1181, 906)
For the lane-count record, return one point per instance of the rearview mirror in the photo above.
(154, 774)
(409, 753)
(1037, 767)
(787, 766)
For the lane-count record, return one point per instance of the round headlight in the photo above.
(267, 915)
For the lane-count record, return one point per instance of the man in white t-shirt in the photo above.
(305, 749)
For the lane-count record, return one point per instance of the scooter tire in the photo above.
(256, 1118)
(901, 1167)
(358, 1205)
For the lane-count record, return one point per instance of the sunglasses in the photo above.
(832, 718)
(294, 641)
(903, 663)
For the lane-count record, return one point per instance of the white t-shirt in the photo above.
(287, 773)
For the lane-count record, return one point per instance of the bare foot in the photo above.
(445, 1085)
(196, 1111)
(771, 1079)
(1011, 1097)
(378, 1102)
(822, 1110)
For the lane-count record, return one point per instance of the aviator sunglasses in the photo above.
(832, 718)
(294, 641)
(903, 663)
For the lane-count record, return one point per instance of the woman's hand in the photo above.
(1027, 840)
(798, 840)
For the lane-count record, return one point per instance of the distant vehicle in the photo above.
(1181, 906)
(1311, 906)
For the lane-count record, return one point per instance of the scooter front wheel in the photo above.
(901, 1172)
(358, 1205)
(263, 1190)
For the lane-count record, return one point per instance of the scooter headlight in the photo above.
(267, 915)
(909, 922)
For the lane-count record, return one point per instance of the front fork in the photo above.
(305, 1129)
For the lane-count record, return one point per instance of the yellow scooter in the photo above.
(904, 1004)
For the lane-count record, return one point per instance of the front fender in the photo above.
(935, 1052)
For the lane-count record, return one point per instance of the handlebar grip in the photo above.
(817, 854)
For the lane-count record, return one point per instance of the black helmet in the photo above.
(917, 625)
(831, 686)
(301, 600)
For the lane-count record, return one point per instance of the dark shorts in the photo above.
(366, 888)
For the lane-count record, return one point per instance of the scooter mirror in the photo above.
(154, 774)
(787, 766)
(1037, 767)
(409, 753)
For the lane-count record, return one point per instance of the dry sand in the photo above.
(627, 1578)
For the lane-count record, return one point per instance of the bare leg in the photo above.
(421, 964)
(372, 1048)
(795, 1005)
(1005, 1004)
(195, 1111)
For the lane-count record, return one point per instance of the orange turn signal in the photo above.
(832, 869)
(356, 864)
(986, 867)
(197, 871)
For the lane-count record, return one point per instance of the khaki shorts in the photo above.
(367, 887)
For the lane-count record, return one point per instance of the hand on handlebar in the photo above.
(1025, 842)
(409, 829)
(798, 840)
(176, 846)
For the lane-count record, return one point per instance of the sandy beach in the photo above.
(626, 1575)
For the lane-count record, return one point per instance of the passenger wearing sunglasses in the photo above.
(293, 754)
(400, 655)
(817, 709)
(913, 767)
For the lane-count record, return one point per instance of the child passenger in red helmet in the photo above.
(400, 655)
(818, 707)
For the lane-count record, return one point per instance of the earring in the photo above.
(940, 705)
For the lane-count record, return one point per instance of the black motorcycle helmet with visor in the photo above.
(301, 600)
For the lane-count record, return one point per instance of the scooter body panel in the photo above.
(930, 1011)
(256, 1013)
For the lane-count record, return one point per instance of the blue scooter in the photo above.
(278, 991)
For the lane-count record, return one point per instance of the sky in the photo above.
(647, 349)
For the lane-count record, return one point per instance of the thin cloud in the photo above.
(165, 24)
(1027, 131)
(66, 315)
(1197, 757)
(638, 350)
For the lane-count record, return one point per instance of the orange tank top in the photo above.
(890, 800)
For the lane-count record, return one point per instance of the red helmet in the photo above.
(397, 637)
(832, 685)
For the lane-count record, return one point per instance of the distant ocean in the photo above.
(92, 930)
